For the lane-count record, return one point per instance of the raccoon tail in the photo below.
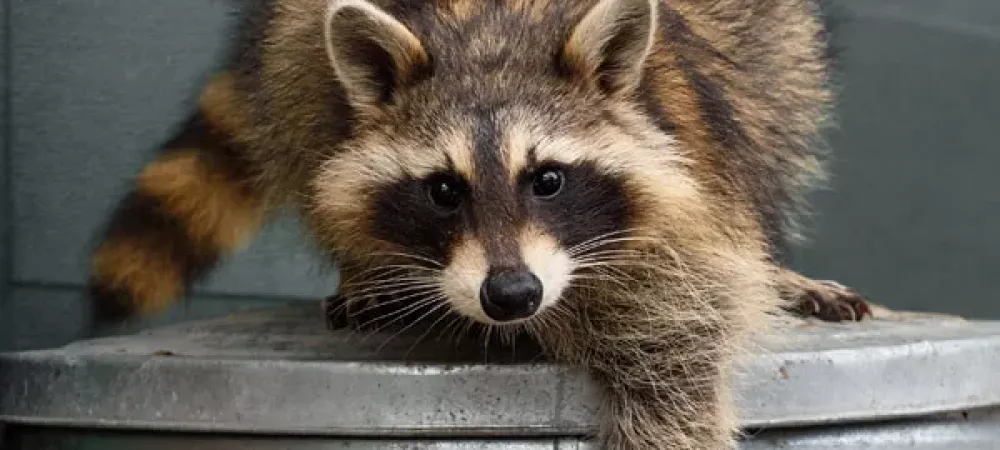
(189, 207)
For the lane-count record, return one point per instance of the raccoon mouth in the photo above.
(511, 295)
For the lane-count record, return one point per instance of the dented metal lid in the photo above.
(281, 371)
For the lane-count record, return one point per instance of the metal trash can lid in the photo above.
(280, 371)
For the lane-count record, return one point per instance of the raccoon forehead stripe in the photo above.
(380, 159)
(457, 147)
(606, 147)
(519, 151)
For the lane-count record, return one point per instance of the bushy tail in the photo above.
(190, 206)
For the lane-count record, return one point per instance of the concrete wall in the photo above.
(93, 85)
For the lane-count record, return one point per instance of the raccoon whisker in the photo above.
(380, 271)
(659, 269)
(486, 341)
(593, 246)
(598, 238)
(336, 310)
(508, 337)
(411, 256)
(414, 289)
(554, 317)
(428, 331)
(608, 253)
(585, 287)
(615, 262)
(376, 299)
(586, 245)
(598, 276)
(607, 242)
(391, 301)
(611, 271)
(390, 279)
(384, 271)
(532, 326)
(414, 267)
(400, 313)
(455, 322)
(441, 304)
(507, 334)
(597, 251)
(619, 271)
(386, 286)
(594, 266)
(512, 334)
(609, 260)
(618, 261)
(597, 284)
(604, 254)
(467, 329)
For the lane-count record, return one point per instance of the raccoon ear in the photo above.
(372, 53)
(609, 46)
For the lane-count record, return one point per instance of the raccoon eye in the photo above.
(445, 191)
(547, 183)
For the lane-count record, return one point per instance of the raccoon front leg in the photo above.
(674, 417)
(664, 375)
(824, 299)
(654, 398)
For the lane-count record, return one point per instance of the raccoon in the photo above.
(618, 179)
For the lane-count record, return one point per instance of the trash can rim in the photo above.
(275, 371)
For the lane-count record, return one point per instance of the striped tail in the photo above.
(188, 208)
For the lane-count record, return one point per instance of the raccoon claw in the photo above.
(825, 300)
(831, 302)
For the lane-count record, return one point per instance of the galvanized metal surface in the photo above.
(281, 371)
(964, 431)
(978, 431)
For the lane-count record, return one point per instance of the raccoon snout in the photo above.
(510, 295)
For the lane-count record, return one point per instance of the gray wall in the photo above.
(93, 85)
(914, 210)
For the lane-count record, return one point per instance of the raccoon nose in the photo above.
(510, 295)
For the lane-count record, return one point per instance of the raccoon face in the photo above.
(494, 189)
(503, 224)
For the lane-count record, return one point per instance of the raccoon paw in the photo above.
(335, 311)
(826, 300)
(341, 314)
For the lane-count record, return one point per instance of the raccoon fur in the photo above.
(616, 178)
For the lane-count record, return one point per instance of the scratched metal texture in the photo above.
(281, 372)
